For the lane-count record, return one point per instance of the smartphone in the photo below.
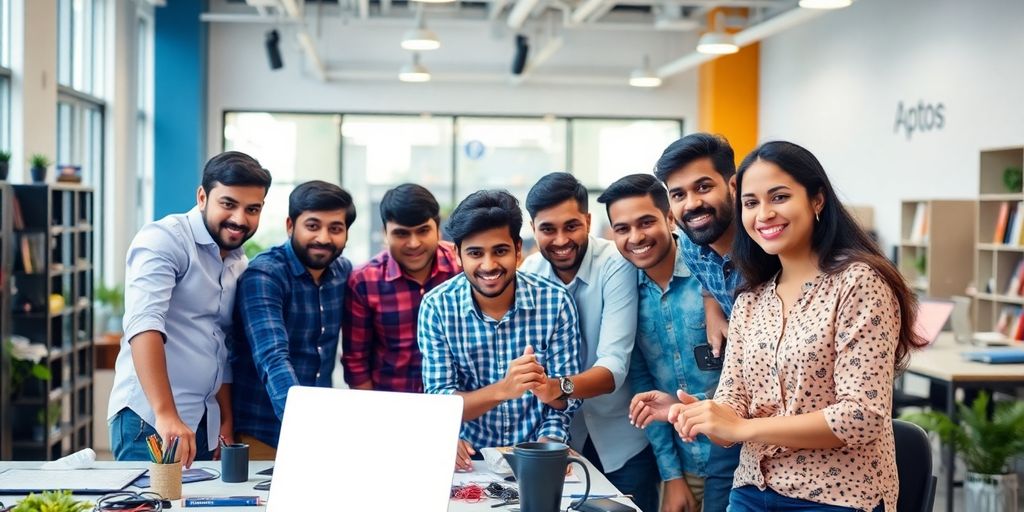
(706, 360)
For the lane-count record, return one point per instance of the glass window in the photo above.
(295, 148)
(5, 112)
(381, 152)
(5, 33)
(80, 42)
(604, 150)
(80, 144)
(143, 124)
(508, 153)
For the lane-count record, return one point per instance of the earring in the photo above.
(817, 216)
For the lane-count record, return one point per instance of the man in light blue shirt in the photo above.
(603, 285)
(171, 376)
(670, 327)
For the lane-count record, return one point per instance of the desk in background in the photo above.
(599, 485)
(941, 362)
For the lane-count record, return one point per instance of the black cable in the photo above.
(136, 501)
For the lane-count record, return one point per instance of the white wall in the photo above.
(833, 85)
(240, 78)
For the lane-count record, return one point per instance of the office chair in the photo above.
(914, 465)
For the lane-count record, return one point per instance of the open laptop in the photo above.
(932, 316)
(343, 449)
(963, 329)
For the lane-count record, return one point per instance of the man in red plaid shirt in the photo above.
(379, 349)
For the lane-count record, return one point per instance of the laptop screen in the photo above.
(931, 317)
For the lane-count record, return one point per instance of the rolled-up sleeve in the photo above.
(153, 264)
(732, 386)
(618, 321)
(867, 330)
(563, 359)
(439, 377)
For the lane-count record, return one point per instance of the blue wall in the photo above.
(179, 105)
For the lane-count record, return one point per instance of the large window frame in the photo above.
(5, 75)
(372, 242)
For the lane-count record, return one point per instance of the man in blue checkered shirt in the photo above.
(492, 334)
(288, 313)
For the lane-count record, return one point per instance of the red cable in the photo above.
(471, 493)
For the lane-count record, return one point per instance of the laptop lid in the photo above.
(343, 449)
(931, 317)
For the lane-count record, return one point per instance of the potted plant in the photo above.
(39, 164)
(987, 445)
(26, 362)
(112, 300)
(52, 501)
(5, 162)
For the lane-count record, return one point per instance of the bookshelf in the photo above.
(6, 252)
(935, 254)
(50, 297)
(999, 244)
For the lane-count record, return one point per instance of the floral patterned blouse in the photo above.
(836, 355)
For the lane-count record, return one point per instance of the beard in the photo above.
(581, 251)
(216, 232)
(721, 219)
(316, 262)
(474, 282)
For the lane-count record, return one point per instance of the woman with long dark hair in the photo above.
(816, 336)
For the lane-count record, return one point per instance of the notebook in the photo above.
(996, 356)
(79, 481)
(345, 449)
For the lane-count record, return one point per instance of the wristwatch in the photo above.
(567, 387)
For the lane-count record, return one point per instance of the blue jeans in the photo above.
(722, 464)
(750, 499)
(128, 433)
(638, 477)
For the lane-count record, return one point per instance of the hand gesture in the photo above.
(523, 374)
(648, 407)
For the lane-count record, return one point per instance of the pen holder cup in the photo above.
(234, 463)
(165, 480)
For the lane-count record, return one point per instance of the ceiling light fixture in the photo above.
(420, 38)
(644, 76)
(434, 1)
(414, 72)
(825, 4)
(717, 41)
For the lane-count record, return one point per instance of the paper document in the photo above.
(100, 481)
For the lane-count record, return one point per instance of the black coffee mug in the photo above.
(234, 463)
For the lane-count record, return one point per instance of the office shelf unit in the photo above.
(49, 300)
(937, 235)
(998, 258)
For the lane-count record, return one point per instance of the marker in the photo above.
(223, 501)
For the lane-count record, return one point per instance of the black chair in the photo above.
(914, 465)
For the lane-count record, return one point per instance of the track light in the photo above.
(519, 59)
(420, 38)
(825, 4)
(717, 41)
(644, 76)
(414, 72)
(273, 51)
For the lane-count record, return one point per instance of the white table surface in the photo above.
(599, 485)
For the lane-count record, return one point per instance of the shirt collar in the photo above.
(523, 300)
(679, 270)
(443, 262)
(202, 235)
(586, 266)
(298, 269)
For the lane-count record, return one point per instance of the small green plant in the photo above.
(54, 410)
(113, 297)
(1013, 178)
(26, 361)
(40, 160)
(5, 156)
(921, 264)
(987, 445)
(252, 248)
(52, 501)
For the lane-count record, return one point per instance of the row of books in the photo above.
(1009, 224)
(1011, 323)
(919, 229)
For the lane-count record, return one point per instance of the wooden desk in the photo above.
(942, 362)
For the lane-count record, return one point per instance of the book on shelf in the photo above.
(1013, 286)
(1011, 323)
(1000, 228)
(33, 252)
(1013, 235)
(919, 228)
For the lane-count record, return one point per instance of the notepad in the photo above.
(187, 476)
(996, 356)
(80, 481)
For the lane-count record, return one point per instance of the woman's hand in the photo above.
(718, 422)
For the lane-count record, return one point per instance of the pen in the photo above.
(223, 501)
(593, 496)
(223, 442)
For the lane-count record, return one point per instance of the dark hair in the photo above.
(234, 169)
(635, 185)
(695, 146)
(555, 189)
(837, 238)
(320, 196)
(409, 205)
(483, 210)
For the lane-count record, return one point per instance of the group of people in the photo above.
(733, 343)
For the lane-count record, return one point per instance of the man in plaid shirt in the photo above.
(288, 313)
(492, 334)
(379, 348)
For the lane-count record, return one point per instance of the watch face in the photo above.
(567, 386)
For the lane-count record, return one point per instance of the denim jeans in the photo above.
(128, 433)
(638, 477)
(750, 499)
(722, 464)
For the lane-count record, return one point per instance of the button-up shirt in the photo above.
(717, 274)
(835, 354)
(604, 290)
(671, 325)
(379, 324)
(465, 350)
(286, 334)
(177, 284)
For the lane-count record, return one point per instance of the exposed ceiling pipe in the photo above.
(520, 11)
(480, 78)
(364, 9)
(221, 17)
(585, 9)
(495, 9)
(747, 36)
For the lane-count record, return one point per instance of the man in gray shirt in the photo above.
(603, 285)
(171, 374)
